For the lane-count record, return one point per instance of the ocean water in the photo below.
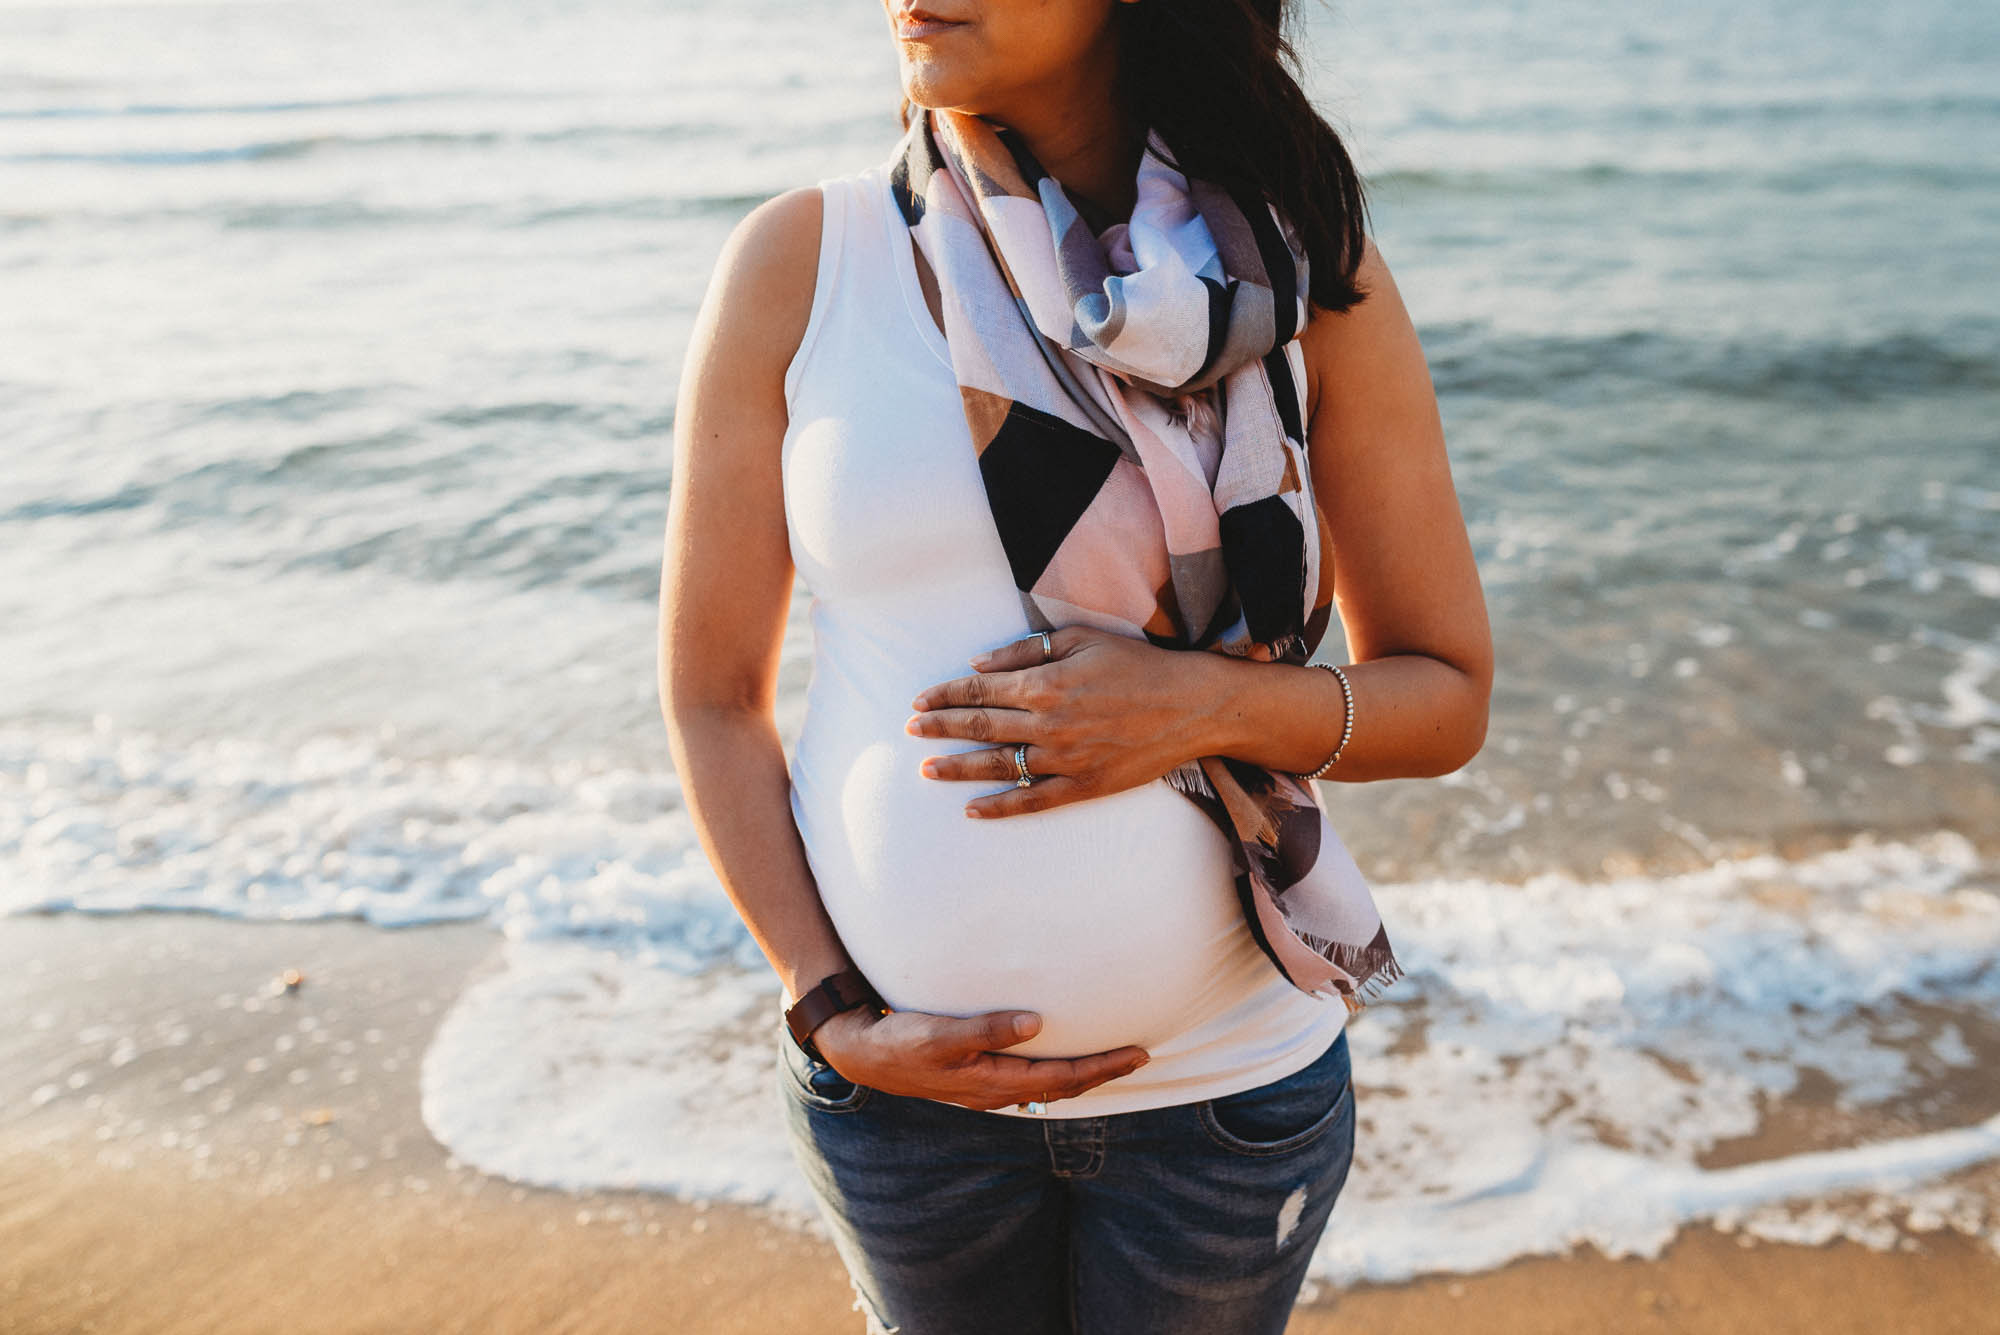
(338, 354)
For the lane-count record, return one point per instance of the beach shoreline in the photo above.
(342, 380)
(156, 1194)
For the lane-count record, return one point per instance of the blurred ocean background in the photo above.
(338, 354)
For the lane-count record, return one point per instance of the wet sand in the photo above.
(166, 1167)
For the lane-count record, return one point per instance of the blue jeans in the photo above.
(1197, 1217)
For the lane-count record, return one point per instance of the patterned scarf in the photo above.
(1136, 396)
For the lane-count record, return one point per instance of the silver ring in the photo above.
(1021, 767)
(1048, 646)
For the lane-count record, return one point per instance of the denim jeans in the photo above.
(1194, 1218)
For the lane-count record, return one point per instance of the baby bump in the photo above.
(1115, 918)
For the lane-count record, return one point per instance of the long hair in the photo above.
(1215, 78)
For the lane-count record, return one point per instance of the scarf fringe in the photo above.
(1189, 778)
(1373, 968)
(1371, 990)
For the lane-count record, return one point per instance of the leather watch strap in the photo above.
(825, 999)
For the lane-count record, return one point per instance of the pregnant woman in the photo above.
(1079, 415)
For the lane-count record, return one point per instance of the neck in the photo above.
(1097, 161)
(1081, 137)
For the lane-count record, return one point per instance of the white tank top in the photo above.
(1115, 918)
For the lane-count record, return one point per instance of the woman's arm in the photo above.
(725, 591)
(1405, 582)
(726, 584)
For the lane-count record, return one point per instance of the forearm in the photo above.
(1414, 716)
(737, 791)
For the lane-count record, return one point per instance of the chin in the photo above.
(933, 84)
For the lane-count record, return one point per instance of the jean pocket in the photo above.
(1286, 1114)
(815, 1083)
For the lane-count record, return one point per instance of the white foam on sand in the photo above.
(579, 1069)
(1552, 1070)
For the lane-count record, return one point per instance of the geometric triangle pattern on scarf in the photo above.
(1136, 396)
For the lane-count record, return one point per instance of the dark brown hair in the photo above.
(1216, 79)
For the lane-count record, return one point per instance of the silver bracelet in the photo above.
(1347, 724)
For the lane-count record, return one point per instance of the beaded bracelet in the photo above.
(1347, 724)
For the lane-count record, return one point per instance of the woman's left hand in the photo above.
(1104, 713)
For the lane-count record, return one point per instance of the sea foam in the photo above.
(1566, 1061)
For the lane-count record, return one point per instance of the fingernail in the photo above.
(972, 812)
(1143, 1059)
(910, 724)
(981, 660)
(1024, 1025)
(929, 770)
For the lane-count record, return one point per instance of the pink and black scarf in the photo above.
(1136, 394)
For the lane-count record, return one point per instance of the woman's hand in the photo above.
(1106, 712)
(944, 1057)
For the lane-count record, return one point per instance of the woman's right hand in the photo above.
(950, 1058)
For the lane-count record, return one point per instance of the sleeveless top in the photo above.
(1115, 918)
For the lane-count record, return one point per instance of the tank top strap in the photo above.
(866, 301)
(836, 203)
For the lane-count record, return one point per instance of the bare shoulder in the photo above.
(730, 414)
(1372, 345)
(726, 577)
(760, 295)
(1405, 579)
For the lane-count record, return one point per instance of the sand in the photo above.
(172, 1190)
